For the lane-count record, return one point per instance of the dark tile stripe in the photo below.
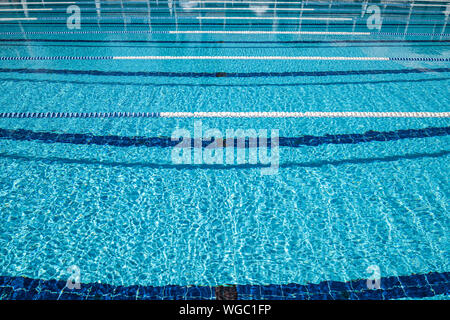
(411, 286)
(228, 74)
(171, 166)
(166, 142)
(251, 85)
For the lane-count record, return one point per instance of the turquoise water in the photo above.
(125, 216)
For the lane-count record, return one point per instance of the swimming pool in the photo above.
(359, 104)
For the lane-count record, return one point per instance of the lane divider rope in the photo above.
(312, 114)
(307, 58)
(393, 3)
(406, 4)
(17, 19)
(275, 18)
(310, 20)
(343, 33)
(186, 32)
(245, 58)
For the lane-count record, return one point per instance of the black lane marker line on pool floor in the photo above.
(392, 287)
(223, 74)
(170, 166)
(291, 84)
(166, 142)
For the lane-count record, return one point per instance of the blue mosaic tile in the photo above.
(321, 287)
(84, 290)
(243, 289)
(116, 297)
(394, 293)
(419, 292)
(296, 296)
(6, 293)
(440, 288)
(18, 283)
(435, 277)
(4, 280)
(321, 296)
(175, 292)
(131, 291)
(335, 295)
(252, 290)
(200, 293)
(340, 286)
(271, 291)
(353, 296)
(19, 295)
(47, 295)
(31, 284)
(300, 290)
(70, 296)
(157, 292)
(53, 285)
(407, 281)
(359, 285)
(390, 282)
(371, 295)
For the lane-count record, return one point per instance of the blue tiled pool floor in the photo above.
(88, 118)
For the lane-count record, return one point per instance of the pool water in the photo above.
(126, 215)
